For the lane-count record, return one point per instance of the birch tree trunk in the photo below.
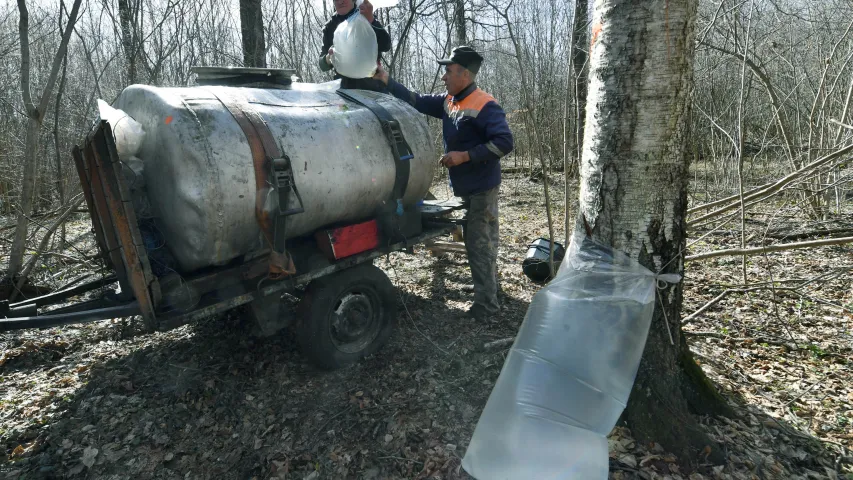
(633, 195)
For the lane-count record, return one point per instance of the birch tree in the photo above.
(634, 175)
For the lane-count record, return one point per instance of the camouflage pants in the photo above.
(481, 244)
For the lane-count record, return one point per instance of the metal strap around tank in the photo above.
(399, 147)
(267, 159)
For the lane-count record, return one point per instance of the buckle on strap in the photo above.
(400, 149)
(283, 181)
(395, 134)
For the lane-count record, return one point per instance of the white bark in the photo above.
(634, 194)
(634, 168)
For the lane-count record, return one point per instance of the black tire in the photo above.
(346, 316)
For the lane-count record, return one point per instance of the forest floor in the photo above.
(210, 401)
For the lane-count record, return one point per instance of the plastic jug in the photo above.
(355, 48)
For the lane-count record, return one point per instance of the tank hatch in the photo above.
(244, 76)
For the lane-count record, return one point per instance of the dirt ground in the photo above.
(210, 401)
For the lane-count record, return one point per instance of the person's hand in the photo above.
(330, 55)
(381, 74)
(366, 9)
(451, 159)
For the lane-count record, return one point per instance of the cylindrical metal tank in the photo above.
(200, 177)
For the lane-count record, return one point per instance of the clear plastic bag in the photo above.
(570, 371)
(355, 48)
(127, 132)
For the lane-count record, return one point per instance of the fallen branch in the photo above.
(723, 336)
(504, 342)
(832, 120)
(792, 344)
(728, 292)
(811, 233)
(445, 247)
(769, 248)
(43, 245)
(765, 190)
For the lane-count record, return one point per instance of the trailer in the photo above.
(347, 306)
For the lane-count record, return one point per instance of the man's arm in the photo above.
(432, 105)
(328, 37)
(499, 142)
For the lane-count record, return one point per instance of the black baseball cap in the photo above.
(465, 56)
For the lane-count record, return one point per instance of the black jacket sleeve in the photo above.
(383, 39)
(328, 38)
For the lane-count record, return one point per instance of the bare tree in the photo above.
(127, 16)
(634, 177)
(252, 28)
(580, 59)
(461, 35)
(35, 118)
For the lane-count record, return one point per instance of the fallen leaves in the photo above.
(207, 400)
(89, 455)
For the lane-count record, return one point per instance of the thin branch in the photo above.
(769, 248)
(728, 292)
(43, 244)
(23, 32)
(766, 190)
(47, 94)
(844, 125)
(504, 342)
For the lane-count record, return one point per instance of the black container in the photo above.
(535, 264)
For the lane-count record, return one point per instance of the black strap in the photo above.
(399, 147)
(282, 173)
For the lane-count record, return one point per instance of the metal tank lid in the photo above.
(244, 76)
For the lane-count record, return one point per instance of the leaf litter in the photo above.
(208, 400)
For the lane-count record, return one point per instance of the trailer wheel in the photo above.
(346, 316)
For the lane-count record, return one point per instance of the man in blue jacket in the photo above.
(476, 136)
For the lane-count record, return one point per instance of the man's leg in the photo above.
(481, 244)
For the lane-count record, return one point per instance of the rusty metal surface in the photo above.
(262, 147)
(282, 286)
(115, 212)
(102, 219)
(86, 186)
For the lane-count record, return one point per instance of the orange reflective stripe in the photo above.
(476, 100)
(469, 106)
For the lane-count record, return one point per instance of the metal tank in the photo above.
(199, 174)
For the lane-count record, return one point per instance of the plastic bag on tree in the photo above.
(355, 47)
(127, 132)
(568, 375)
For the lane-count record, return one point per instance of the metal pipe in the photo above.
(60, 295)
(43, 321)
